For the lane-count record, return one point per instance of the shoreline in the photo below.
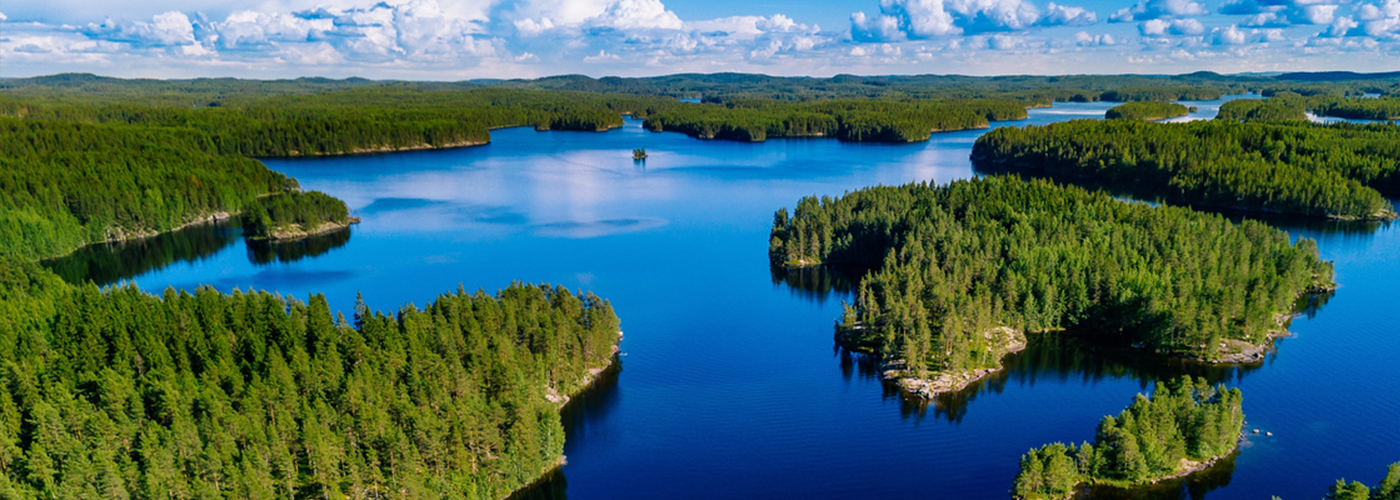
(590, 377)
(298, 234)
(940, 382)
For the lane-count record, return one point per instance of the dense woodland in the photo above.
(67, 184)
(952, 263)
(1388, 489)
(1184, 422)
(1333, 171)
(756, 120)
(1273, 109)
(1146, 111)
(294, 212)
(121, 394)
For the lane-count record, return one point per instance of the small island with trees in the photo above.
(1146, 111)
(639, 154)
(1184, 427)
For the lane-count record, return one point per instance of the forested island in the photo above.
(295, 215)
(1338, 171)
(960, 273)
(1146, 111)
(1185, 426)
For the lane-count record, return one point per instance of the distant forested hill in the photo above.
(1331, 171)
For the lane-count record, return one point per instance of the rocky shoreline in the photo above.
(295, 233)
(935, 383)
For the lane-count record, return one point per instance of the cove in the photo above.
(731, 385)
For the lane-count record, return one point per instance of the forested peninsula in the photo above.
(295, 215)
(118, 393)
(961, 272)
(1185, 426)
(1337, 171)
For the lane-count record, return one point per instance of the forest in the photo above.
(1184, 425)
(951, 264)
(292, 214)
(1338, 171)
(121, 394)
(1271, 110)
(755, 120)
(1146, 111)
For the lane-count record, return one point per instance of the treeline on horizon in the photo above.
(756, 120)
(1146, 111)
(1339, 171)
(122, 394)
(950, 264)
(1184, 421)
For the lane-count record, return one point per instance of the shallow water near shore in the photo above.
(730, 384)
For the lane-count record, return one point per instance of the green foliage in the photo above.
(954, 263)
(1271, 110)
(1361, 109)
(121, 394)
(1184, 422)
(1388, 489)
(1343, 490)
(1163, 93)
(1146, 111)
(295, 211)
(1305, 169)
(756, 120)
(68, 184)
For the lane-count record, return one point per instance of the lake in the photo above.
(730, 384)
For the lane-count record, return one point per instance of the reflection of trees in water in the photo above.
(1194, 486)
(267, 252)
(817, 284)
(582, 411)
(1057, 357)
(107, 263)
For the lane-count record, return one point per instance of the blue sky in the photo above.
(463, 39)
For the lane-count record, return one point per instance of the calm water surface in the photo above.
(730, 385)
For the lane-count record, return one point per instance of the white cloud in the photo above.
(1063, 15)
(1163, 27)
(916, 19)
(1233, 35)
(1146, 10)
(1084, 39)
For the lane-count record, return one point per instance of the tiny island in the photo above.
(295, 215)
(1185, 426)
(639, 154)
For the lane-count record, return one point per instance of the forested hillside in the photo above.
(956, 264)
(67, 184)
(755, 120)
(1327, 171)
(1184, 426)
(122, 394)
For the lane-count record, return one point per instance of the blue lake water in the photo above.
(731, 386)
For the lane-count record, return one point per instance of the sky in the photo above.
(450, 40)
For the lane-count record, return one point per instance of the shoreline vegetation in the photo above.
(1339, 171)
(1184, 427)
(955, 279)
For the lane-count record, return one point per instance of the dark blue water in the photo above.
(730, 385)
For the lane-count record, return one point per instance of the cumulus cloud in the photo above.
(1163, 27)
(1084, 39)
(1281, 13)
(1233, 35)
(1381, 20)
(1063, 15)
(1146, 10)
(917, 19)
